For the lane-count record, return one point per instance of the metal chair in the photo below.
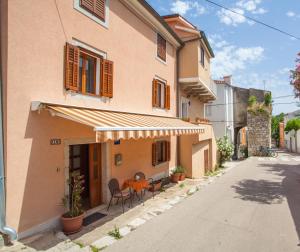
(117, 193)
(141, 175)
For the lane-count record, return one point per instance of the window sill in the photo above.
(161, 61)
(73, 93)
(161, 164)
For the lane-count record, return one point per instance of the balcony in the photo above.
(205, 90)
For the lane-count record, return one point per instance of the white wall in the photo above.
(222, 112)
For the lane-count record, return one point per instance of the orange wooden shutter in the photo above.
(206, 160)
(167, 97)
(107, 78)
(168, 151)
(87, 4)
(154, 156)
(154, 93)
(71, 67)
(97, 7)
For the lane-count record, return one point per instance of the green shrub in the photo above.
(252, 100)
(293, 124)
(225, 149)
(268, 99)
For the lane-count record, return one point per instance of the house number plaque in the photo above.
(55, 141)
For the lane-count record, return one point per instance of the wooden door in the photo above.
(206, 160)
(95, 174)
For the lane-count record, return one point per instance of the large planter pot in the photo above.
(175, 177)
(156, 186)
(182, 176)
(72, 225)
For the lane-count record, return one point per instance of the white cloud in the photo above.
(182, 7)
(259, 11)
(241, 8)
(229, 18)
(291, 14)
(231, 58)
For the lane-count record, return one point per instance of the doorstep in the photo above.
(96, 234)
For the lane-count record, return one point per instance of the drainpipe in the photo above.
(3, 228)
(177, 100)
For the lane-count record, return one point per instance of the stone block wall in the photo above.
(259, 132)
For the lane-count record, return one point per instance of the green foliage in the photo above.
(178, 169)
(115, 233)
(182, 185)
(268, 99)
(80, 244)
(225, 149)
(244, 151)
(260, 109)
(252, 100)
(293, 124)
(75, 183)
(275, 127)
(295, 77)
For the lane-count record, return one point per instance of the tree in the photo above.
(295, 77)
(293, 124)
(225, 149)
(275, 127)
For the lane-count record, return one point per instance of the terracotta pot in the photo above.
(72, 225)
(175, 177)
(156, 187)
(182, 176)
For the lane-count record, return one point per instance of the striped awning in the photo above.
(111, 125)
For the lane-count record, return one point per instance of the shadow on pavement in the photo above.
(261, 191)
(270, 192)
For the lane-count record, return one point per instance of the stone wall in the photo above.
(259, 132)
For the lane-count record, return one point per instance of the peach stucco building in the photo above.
(95, 89)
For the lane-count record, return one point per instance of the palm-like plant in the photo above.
(74, 200)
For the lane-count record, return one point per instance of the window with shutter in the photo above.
(161, 47)
(71, 67)
(86, 72)
(167, 97)
(107, 79)
(95, 7)
(161, 152)
(154, 93)
(160, 94)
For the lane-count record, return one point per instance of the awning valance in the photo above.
(110, 125)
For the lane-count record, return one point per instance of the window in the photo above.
(184, 108)
(161, 94)
(161, 47)
(160, 152)
(95, 7)
(202, 57)
(207, 110)
(87, 72)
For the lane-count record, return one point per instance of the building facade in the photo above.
(292, 138)
(220, 111)
(94, 89)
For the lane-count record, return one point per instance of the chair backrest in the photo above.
(113, 186)
(140, 175)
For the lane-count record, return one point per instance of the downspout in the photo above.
(6, 230)
(177, 100)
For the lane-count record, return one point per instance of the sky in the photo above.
(250, 52)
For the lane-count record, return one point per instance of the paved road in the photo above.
(254, 207)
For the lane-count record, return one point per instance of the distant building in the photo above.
(292, 138)
(220, 111)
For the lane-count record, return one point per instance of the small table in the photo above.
(136, 185)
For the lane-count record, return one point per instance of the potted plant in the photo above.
(175, 176)
(181, 170)
(72, 220)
